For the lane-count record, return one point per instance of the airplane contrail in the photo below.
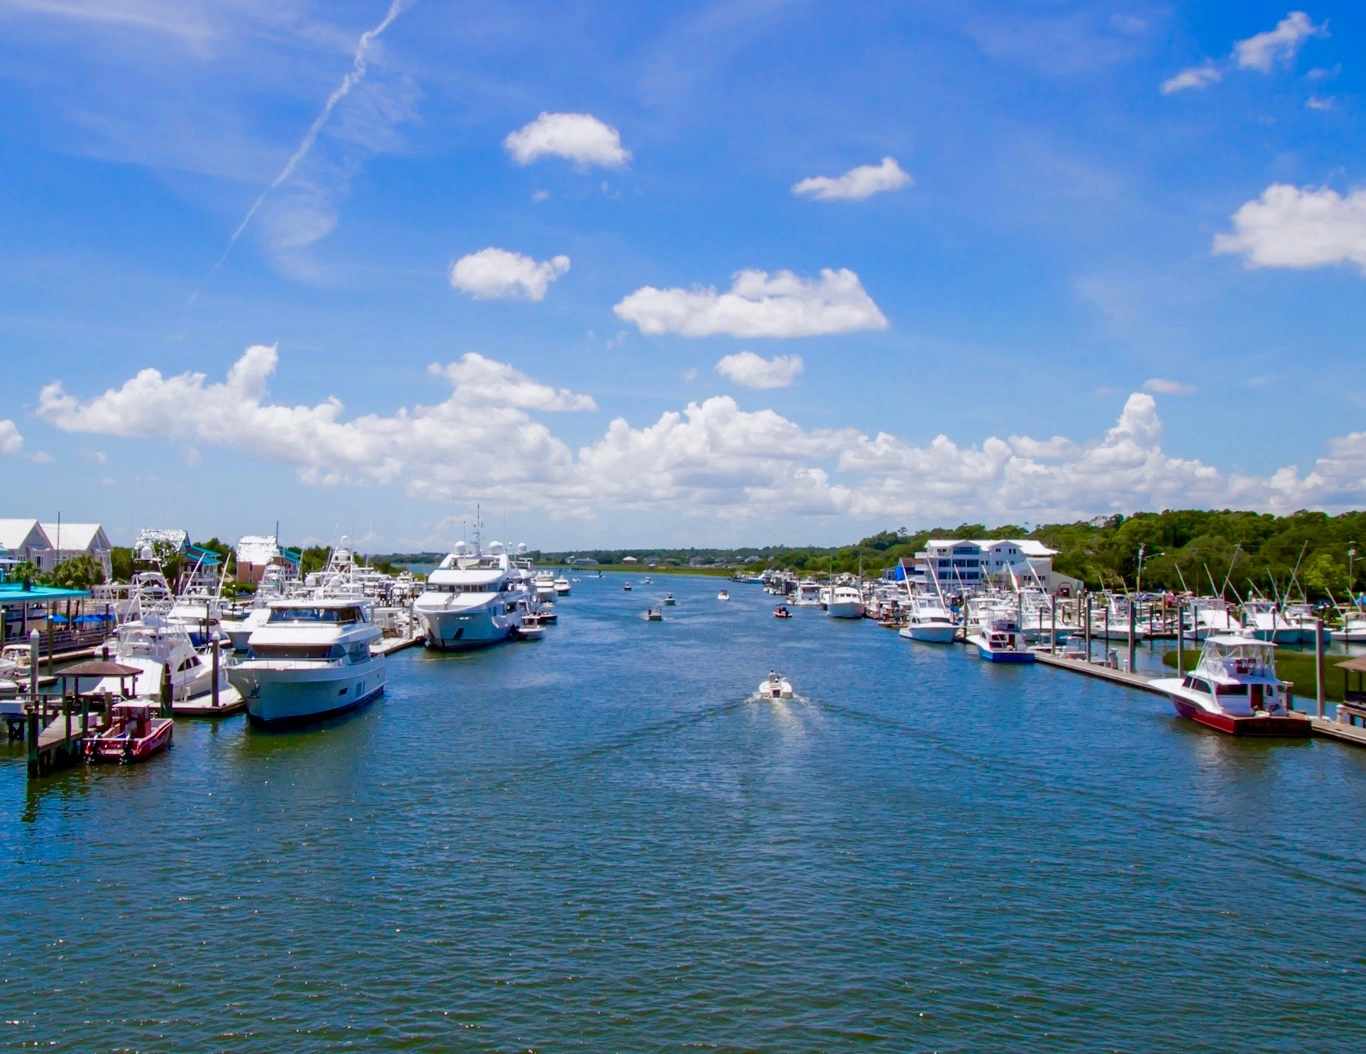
(396, 8)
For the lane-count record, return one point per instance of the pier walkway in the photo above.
(1098, 670)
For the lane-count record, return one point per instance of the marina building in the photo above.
(24, 541)
(967, 565)
(256, 552)
(80, 539)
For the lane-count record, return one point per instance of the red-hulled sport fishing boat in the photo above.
(1234, 689)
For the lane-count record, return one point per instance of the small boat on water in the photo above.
(134, 734)
(654, 615)
(775, 686)
(530, 628)
(562, 586)
(1234, 689)
(1001, 641)
(669, 600)
(781, 612)
(626, 586)
(647, 580)
(723, 595)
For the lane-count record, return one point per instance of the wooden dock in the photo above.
(230, 701)
(1099, 671)
(389, 645)
(1339, 730)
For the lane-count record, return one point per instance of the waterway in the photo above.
(601, 841)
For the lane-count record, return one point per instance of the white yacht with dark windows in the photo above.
(310, 659)
(475, 598)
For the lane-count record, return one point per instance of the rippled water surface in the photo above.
(600, 842)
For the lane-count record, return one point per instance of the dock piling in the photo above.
(1133, 630)
(1180, 643)
(215, 673)
(1318, 665)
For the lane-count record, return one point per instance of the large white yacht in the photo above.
(808, 594)
(844, 602)
(475, 598)
(312, 658)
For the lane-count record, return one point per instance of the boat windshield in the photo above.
(318, 614)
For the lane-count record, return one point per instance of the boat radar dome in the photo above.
(460, 549)
(521, 548)
(146, 555)
(496, 548)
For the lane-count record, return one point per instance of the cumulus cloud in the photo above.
(710, 458)
(1300, 228)
(578, 137)
(481, 432)
(497, 274)
(1261, 52)
(1280, 45)
(11, 441)
(1162, 386)
(754, 371)
(856, 184)
(784, 305)
(1196, 77)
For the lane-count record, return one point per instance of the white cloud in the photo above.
(1282, 44)
(856, 184)
(757, 306)
(578, 137)
(1162, 386)
(1315, 102)
(540, 195)
(1197, 77)
(754, 371)
(11, 441)
(496, 274)
(1300, 228)
(486, 382)
(481, 433)
(710, 459)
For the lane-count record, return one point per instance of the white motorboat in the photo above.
(654, 615)
(530, 628)
(311, 659)
(669, 599)
(723, 595)
(543, 584)
(775, 686)
(1234, 689)
(626, 586)
(562, 586)
(1265, 621)
(808, 594)
(844, 602)
(1001, 641)
(929, 622)
(473, 598)
(1209, 617)
(159, 646)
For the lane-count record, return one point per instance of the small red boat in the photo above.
(781, 612)
(134, 734)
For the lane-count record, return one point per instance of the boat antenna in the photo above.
(1184, 588)
(1228, 577)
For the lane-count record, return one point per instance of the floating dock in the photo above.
(1341, 730)
(389, 645)
(1099, 671)
(229, 701)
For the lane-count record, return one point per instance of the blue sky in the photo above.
(1114, 262)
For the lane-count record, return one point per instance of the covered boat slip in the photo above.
(1349, 723)
(65, 619)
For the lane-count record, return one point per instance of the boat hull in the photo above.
(930, 634)
(1283, 725)
(1014, 657)
(122, 750)
(844, 609)
(461, 630)
(291, 693)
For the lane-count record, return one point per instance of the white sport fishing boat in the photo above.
(1001, 641)
(1234, 689)
(311, 659)
(474, 598)
(157, 646)
(929, 621)
(808, 594)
